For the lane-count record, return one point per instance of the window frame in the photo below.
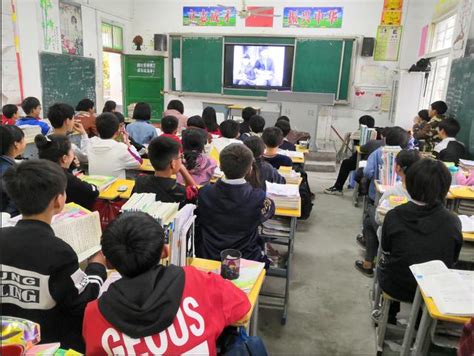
(114, 48)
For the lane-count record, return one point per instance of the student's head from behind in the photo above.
(230, 129)
(424, 115)
(210, 118)
(142, 112)
(404, 160)
(107, 125)
(10, 111)
(196, 121)
(194, 141)
(396, 136)
(438, 108)
(284, 118)
(36, 187)
(256, 145)
(448, 128)
(176, 105)
(284, 126)
(236, 161)
(120, 117)
(248, 112)
(31, 106)
(367, 120)
(164, 155)
(55, 148)
(109, 106)
(86, 105)
(428, 181)
(133, 243)
(61, 115)
(169, 125)
(257, 124)
(12, 142)
(272, 137)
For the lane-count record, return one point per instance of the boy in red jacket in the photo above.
(153, 309)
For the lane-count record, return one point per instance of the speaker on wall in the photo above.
(368, 44)
(161, 43)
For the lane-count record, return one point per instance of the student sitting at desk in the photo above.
(295, 136)
(32, 108)
(273, 137)
(10, 114)
(12, 145)
(210, 118)
(285, 127)
(151, 302)
(57, 149)
(230, 211)
(247, 113)
(56, 290)
(421, 128)
(419, 231)
(436, 113)
(200, 166)
(141, 130)
(262, 171)
(257, 124)
(86, 115)
(61, 117)
(230, 134)
(198, 122)
(449, 149)
(109, 106)
(166, 159)
(369, 240)
(107, 156)
(123, 134)
(176, 108)
(169, 126)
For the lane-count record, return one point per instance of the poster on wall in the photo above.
(393, 4)
(387, 43)
(391, 17)
(461, 29)
(71, 29)
(258, 20)
(49, 19)
(312, 17)
(209, 16)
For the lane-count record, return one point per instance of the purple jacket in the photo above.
(203, 171)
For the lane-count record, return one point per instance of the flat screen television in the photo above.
(258, 67)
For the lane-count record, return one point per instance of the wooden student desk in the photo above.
(252, 316)
(462, 192)
(146, 166)
(112, 192)
(468, 236)
(302, 149)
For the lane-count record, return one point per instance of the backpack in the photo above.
(305, 194)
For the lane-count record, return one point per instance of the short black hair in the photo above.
(33, 184)
(272, 137)
(440, 106)
(176, 105)
(58, 113)
(256, 145)
(424, 115)
(9, 110)
(9, 134)
(450, 126)
(29, 104)
(85, 105)
(119, 116)
(257, 123)
(210, 118)
(284, 118)
(284, 126)
(169, 124)
(109, 106)
(142, 112)
(406, 158)
(428, 181)
(367, 120)
(133, 243)
(248, 112)
(230, 129)
(161, 151)
(107, 125)
(236, 160)
(196, 121)
(194, 140)
(52, 147)
(396, 136)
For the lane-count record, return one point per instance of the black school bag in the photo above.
(305, 194)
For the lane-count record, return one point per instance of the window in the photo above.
(443, 34)
(437, 80)
(112, 37)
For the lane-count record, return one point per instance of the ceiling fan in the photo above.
(257, 11)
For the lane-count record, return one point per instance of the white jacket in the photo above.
(111, 158)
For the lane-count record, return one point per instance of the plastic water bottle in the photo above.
(454, 171)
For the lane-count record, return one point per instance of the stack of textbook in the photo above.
(291, 176)
(285, 196)
(367, 134)
(164, 213)
(388, 174)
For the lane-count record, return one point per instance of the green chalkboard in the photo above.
(459, 98)
(66, 78)
(201, 63)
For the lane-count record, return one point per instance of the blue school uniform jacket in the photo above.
(229, 213)
(34, 122)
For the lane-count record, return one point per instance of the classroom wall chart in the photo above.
(70, 17)
(387, 44)
(209, 16)
(313, 17)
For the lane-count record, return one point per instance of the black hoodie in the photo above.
(414, 234)
(146, 304)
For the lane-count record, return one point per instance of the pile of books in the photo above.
(101, 182)
(279, 227)
(367, 134)
(164, 213)
(466, 164)
(30, 132)
(291, 176)
(285, 196)
(292, 154)
(388, 175)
